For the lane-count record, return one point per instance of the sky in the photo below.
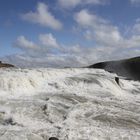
(63, 33)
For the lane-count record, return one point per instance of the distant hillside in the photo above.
(129, 68)
(5, 65)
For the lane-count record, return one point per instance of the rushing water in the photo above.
(70, 104)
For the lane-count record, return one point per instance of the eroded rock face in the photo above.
(5, 65)
(129, 68)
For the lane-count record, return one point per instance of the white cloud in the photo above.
(74, 3)
(110, 41)
(48, 40)
(47, 44)
(88, 35)
(74, 56)
(69, 3)
(108, 44)
(136, 27)
(43, 17)
(133, 42)
(108, 36)
(23, 43)
(98, 28)
(86, 19)
(44, 55)
(135, 1)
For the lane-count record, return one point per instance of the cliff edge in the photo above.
(129, 68)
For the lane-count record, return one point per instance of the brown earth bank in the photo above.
(5, 65)
(129, 68)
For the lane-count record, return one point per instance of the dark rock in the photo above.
(117, 80)
(44, 107)
(53, 138)
(129, 68)
(9, 122)
(5, 65)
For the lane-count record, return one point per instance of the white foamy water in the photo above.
(70, 104)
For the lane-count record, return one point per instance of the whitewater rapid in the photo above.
(70, 104)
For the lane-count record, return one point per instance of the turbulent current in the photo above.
(69, 104)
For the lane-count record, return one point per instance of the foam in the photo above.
(71, 104)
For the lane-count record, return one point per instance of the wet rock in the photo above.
(9, 121)
(117, 80)
(53, 138)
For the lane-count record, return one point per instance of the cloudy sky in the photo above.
(59, 33)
